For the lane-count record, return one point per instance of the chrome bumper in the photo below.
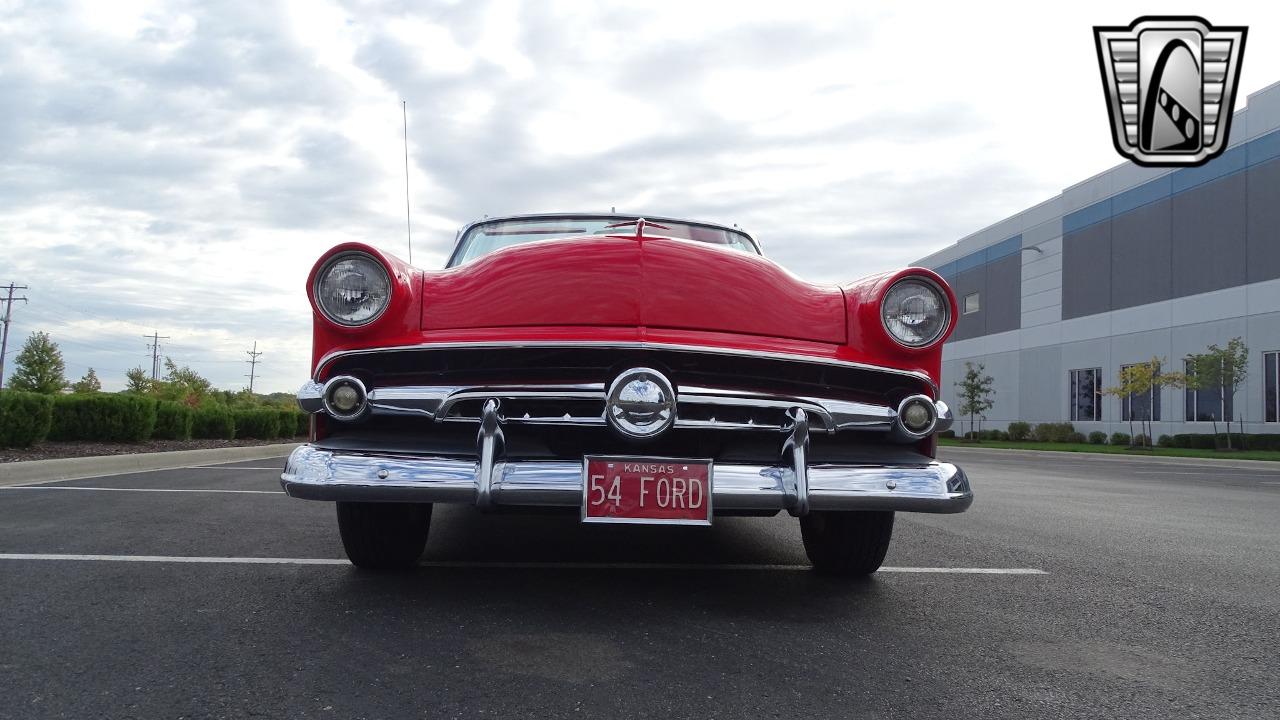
(318, 474)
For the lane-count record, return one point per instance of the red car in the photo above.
(637, 370)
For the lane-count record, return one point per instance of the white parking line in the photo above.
(1207, 472)
(218, 467)
(168, 490)
(464, 564)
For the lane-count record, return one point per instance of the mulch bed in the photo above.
(49, 449)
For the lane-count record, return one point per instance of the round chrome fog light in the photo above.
(344, 397)
(917, 415)
(641, 403)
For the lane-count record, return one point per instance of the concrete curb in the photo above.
(1224, 463)
(38, 471)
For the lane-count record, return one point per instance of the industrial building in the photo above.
(1131, 264)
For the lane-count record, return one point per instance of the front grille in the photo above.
(420, 436)
(464, 367)
(726, 404)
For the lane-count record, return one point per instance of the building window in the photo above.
(1086, 391)
(971, 303)
(1141, 406)
(1206, 404)
(1271, 383)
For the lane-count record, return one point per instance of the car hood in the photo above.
(627, 281)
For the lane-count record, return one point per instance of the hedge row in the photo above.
(111, 418)
(260, 423)
(213, 422)
(28, 418)
(173, 421)
(24, 418)
(1269, 441)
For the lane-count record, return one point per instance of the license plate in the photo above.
(660, 491)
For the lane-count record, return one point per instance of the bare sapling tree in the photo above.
(976, 393)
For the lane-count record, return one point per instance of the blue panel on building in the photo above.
(947, 271)
(1264, 148)
(1233, 160)
(971, 261)
(1004, 248)
(1086, 216)
(1143, 194)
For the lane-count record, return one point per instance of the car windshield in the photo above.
(486, 237)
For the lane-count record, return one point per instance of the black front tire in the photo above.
(384, 536)
(851, 544)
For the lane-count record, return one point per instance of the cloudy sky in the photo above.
(177, 167)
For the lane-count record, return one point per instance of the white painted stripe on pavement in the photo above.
(1206, 472)
(967, 571)
(167, 490)
(177, 559)
(218, 467)
(464, 564)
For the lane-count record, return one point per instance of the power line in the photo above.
(154, 347)
(253, 354)
(8, 309)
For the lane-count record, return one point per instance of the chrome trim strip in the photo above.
(833, 414)
(435, 401)
(630, 345)
(312, 473)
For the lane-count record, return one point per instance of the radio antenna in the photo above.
(408, 225)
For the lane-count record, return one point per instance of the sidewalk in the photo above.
(37, 471)
(1225, 462)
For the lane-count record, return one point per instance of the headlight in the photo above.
(915, 312)
(352, 289)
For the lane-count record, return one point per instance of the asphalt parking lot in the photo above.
(1113, 589)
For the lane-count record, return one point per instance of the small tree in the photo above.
(975, 392)
(39, 366)
(1144, 378)
(1221, 368)
(87, 384)
(183, 384)
(1235, 370)
(137, 382)
(1204, 372)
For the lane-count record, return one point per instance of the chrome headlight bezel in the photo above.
(328, 267)
(944, 302)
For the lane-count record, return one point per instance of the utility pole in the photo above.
(4, 338)
(154, 347)
(253, 354)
